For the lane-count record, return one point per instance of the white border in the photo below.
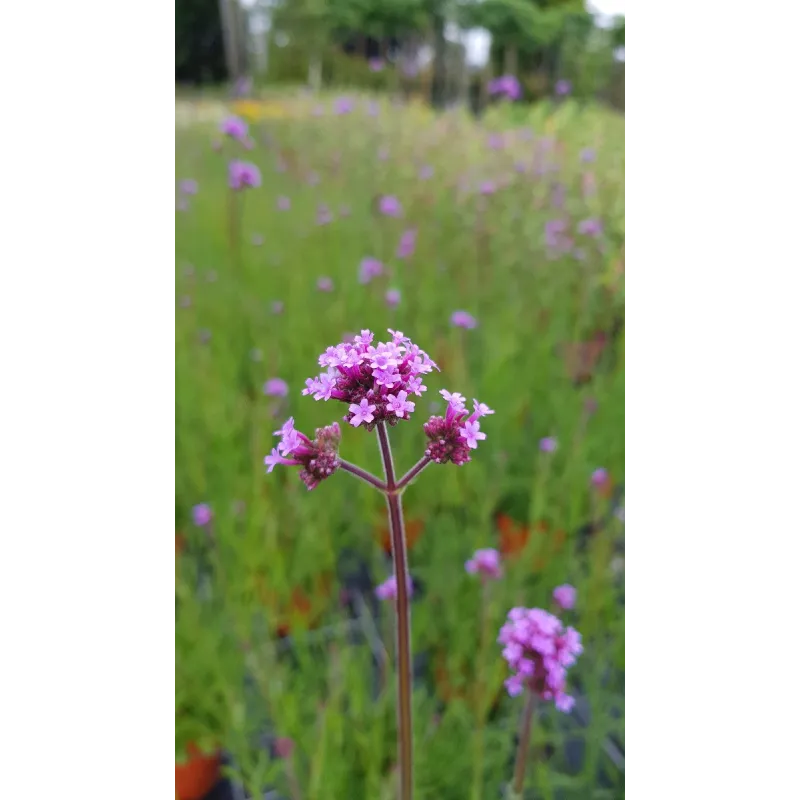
(711, 421)
(87, 441)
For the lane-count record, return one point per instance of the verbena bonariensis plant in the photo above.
(375, 382)
(538, 649)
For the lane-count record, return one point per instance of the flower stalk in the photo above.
(403, 608)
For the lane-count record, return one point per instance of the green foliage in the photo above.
(273, 541)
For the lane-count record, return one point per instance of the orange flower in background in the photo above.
(197, 777)
(414, 530)
(303, 606)
(514, 537)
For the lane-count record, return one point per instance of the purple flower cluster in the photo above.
(318, 458)
(408, 242)
(454, 435)
(388, 589)
(539, 649)
(368, 269)
(235, 128)
(507, 86)
(485, 563)
(374, 380)
(243, 175)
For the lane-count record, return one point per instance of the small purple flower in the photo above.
(472, 433)
(284, 203)
(496, 141)
(486, 563)
(398, 404)
(313, 178)
(324, 214)
(361, 412)
(392, 298)
(463, 319)
(325, 284)
(507, 86)
(425, 172)
(590, 227)
(548, 444)
(243, 175)
(276, 307)
(564, 596)
(587, 155)
(388, 589)
(368, 269)
(487, 187)
(201, 514)
(599, 478)
(276, 387)
(188, 187)
(376, 64)
(390, 206)
(235, 128)
(343, 105)
(563, 87)
(408, 243)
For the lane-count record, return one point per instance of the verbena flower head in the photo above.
(325, 284)
(390, 206)
(374, 379)
(388, 589)
(452, 437)
(234, 127)
(324, 214)
(486, 563)
(408, 242)
(563, 87)
(599, 478)
(463, 319)
(539, 650)
(506, 86)
(425, 172)
(188, 187)
(376, 64)
(284, 203)
(487, 187)
(343, 105)
(276, 387)
(548, 444)
(392, 298)
(590, 227)
(587, 155)
(564, 596)
(368, 269)
(243, 175)
(319, 458)
(201, 514)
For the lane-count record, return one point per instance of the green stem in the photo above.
(403, 653)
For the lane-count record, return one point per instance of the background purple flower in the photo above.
(276, 387)
(485, 562)
(201, 514)
(189, 187)
(376, 64)
(506, 85)
(408, 242)
(368, 269)
(425, 172)
(390, 206)
(243, 175)
(343, 105)
(234, 127)
(564, 596)
(325, 284)
(563, 87)
(392, 298)
(284, 203)
(548, 444)
(388, 589)
(599, 477)
(463, 319)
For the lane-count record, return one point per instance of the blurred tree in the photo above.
(199, 47)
